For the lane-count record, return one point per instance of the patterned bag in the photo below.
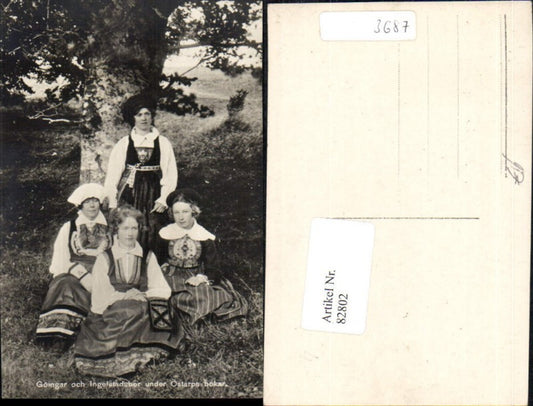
(160, 316)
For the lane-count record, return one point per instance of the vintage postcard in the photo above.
(132, 199)
(398, 203)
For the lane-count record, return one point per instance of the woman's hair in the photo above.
(184, 196)
(135, 103)
(118, 215)
(195, 209)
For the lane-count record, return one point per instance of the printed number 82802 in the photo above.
(342, 308)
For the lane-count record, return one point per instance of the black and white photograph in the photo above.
(132, 185)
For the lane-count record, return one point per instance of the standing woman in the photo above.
(142, 168)
(189, 260)
(78, 243)
(121, 334)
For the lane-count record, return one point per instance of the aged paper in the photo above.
(430, 141)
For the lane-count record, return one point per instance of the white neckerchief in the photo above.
(146, 140)
(196, 232)
(82, 219)
(127, 256)
(119, 252)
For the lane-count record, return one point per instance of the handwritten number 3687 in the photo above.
(391, 26)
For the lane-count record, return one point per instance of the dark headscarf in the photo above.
(183, 195)
(135, 103)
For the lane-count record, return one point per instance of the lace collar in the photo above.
(196, 232)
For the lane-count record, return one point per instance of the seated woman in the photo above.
(119, 336)
(75, 249)
(189, 261)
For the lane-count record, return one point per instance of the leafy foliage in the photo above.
(222, 27)
(236, 102)
(172, 98)
(77, 41)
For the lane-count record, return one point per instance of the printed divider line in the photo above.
(406, 218)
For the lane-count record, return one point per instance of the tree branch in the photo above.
(194, 67)
(42, 34)
(201, 44)
(60, 120)
(47, 14)
(159, 13)
(7, 6)
(44, 112)
(166, 7)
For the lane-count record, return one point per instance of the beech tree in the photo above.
(103, 51)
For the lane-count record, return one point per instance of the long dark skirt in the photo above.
(121, 341)
(196, 302)
(142, 196)
(65, 307)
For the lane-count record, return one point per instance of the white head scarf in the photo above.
(86, 191)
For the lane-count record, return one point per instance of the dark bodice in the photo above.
(185, 255)
(84, 238)
(117, 273)
(143, 156)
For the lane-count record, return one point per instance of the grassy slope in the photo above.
(38, 170)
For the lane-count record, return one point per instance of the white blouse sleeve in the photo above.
(157, 284)
(115, 168)
(169, 169)
(61, 255)
(103, 294)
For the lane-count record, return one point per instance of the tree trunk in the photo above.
(127, 58)
(106, 125)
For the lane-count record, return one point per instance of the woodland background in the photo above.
(219, 146)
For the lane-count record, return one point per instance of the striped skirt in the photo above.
(65, 306)
(121, 341)
(195, 302)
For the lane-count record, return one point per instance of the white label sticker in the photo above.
(367, 25)
(338, 275)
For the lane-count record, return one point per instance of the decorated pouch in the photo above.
(160, 317)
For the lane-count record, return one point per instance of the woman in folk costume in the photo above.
(189, 260)
(129, 325)
(142, 168)
(75, 249)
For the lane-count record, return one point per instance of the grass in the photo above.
(40, 167)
